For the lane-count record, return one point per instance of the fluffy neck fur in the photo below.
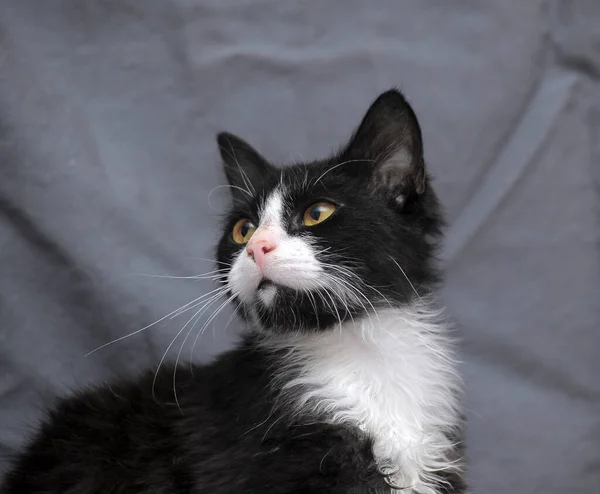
(392, 376)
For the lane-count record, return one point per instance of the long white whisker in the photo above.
(352, 275)
(165, 355)
(334, 308)
(229, 299)
(177, 311)
(226, 185)
(337, 166)
(409, 282)
(349, 286)
(197, 317)
(217, 312)
(345, 302)
(313, 303)
(243, 174)
(214, 274)
(355, 291)
(220, 290)
(223, 263)
(193, 277)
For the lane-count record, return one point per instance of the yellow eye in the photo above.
(318, 213)
(242, 231)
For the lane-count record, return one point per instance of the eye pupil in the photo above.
(318, 213)
(242, 231)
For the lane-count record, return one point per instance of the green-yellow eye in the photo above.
(242, 231)
(318, 213)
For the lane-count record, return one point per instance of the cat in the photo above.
(345, 382)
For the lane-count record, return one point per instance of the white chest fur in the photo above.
(393, 377)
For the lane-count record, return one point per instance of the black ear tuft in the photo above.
(390, 137)
(244, 167)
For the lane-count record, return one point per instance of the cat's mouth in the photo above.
(265, 283)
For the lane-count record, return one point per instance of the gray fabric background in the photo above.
(108, 110)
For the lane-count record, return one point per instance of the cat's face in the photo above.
(310, 245)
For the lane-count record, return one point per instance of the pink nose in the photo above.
(258, 248)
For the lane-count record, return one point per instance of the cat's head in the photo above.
(310, 244)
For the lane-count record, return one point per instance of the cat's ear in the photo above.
(389, 137)
(244, 167)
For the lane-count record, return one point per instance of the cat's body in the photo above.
(227, 435)
(224, 437)
(346, 384)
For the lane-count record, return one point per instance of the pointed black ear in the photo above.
(389, 136)
(244, 167)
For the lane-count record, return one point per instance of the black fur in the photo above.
(224, 437)
(229, 432)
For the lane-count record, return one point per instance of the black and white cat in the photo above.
(346, 381)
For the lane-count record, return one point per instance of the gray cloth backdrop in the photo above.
(108, 111)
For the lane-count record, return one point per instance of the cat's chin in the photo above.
(265, 283)
(279, 309)
(266, 293)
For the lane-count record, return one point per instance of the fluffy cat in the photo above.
(345, 382)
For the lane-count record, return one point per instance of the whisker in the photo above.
(177, 311)
(227, 185)
(216, 313)
(229, 299)
(335, 309)
(409, 282)
(344, 302)
(271, 426)
(337, 166)
(243, 174)
(165, 355)
(214, 261)
(358, 300)
(352, 275)
(219, 290)
(191, 359)
(197, 317)
(204, 276)
(313, 303)
(231, 317)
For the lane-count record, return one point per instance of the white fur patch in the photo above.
(272, 211)
(392, 376)
(267, 295)
(292, 264)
